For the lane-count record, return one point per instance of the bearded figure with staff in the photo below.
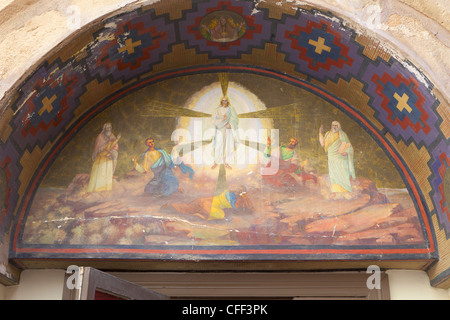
(105, 155)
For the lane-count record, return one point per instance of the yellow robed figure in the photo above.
(105, 160)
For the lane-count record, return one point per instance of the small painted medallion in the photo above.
(223, 26)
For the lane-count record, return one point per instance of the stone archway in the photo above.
(100, 61)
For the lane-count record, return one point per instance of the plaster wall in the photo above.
(414, 285)
(44, 284)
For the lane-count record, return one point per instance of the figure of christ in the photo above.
(226, 136)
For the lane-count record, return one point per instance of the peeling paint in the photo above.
(24, 101)
(419, 75)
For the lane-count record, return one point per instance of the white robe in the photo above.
(225, 140)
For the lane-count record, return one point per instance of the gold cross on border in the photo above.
(320, 45)
(129, 46)
(47, 105)
(402, 102)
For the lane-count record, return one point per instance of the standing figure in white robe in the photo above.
(226, 134)
(105, 155)
(340, 160)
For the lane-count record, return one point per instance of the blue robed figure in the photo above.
(164, 182)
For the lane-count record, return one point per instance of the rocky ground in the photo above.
(306, 216)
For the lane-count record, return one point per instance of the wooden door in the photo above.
(92, 284)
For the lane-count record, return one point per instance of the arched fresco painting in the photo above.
(287, 72)
(176, 166)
